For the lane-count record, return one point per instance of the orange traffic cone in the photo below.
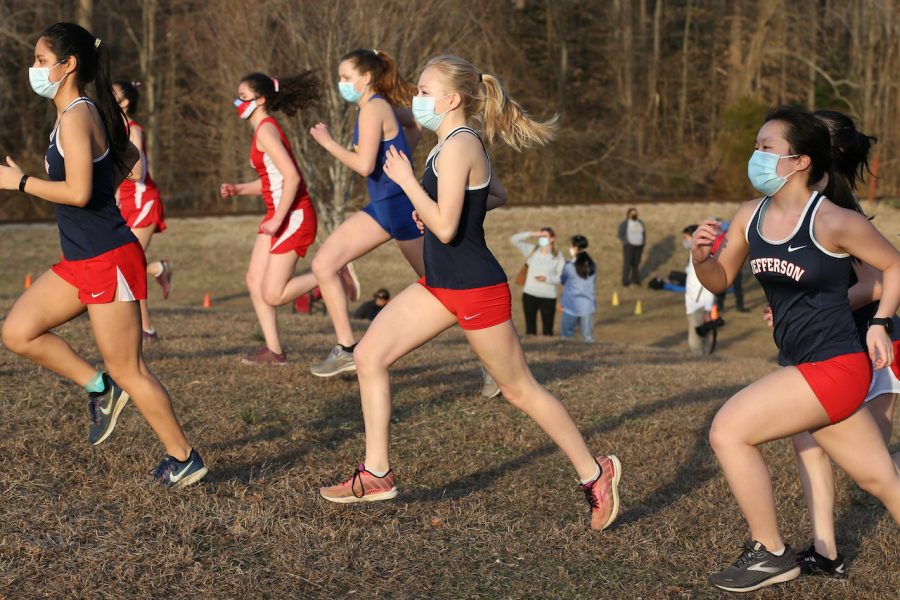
(714, 312)
(207, 301)
(27, 280)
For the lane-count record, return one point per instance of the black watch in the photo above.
(887, 322)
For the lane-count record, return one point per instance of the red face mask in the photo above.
(245, 108)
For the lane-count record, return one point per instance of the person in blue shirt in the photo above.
(579, 297)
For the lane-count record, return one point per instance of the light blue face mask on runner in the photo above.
(39, 78)
(762, 169)
(348, 91)
(423, 111)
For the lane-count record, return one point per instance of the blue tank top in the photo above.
(97, 227)
(465, 262)
(379, 185)
(806, 286)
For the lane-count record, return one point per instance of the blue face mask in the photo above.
(39, 78)
(423, 112)
(762, 169)
(543, 242)
(348, 91)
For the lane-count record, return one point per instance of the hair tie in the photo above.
(374, 51)
(480, 77)
(276, 84)
(136, 84)
(96, 43)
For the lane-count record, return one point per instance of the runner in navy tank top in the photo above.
(799, 245)
(103, 266)
(369, 79)
(463, 282)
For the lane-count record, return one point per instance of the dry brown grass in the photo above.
(488, 507)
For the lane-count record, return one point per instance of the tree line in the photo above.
(658, 99)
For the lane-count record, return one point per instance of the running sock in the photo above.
(347, 348)
(95, 385)
(377, 473)
(779, 553)
(594, 477)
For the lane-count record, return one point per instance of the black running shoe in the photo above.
(104, 408)
(813, 563)
(755, 568)
(180, 474)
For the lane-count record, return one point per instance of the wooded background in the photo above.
(657, 99)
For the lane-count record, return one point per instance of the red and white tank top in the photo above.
(144, 188)
(272, 180)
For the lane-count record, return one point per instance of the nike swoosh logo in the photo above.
(93, 295)
(760, 567)
(467, 318)
(792, 249)
(106, 411)
(175, 478)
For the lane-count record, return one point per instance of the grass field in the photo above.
(488, 507)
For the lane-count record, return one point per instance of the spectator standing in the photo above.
(632, 234)
(545, 264)
(579, 296)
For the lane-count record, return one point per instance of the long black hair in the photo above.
(92, 66)
(129, 91)
(809, 136)
(850, 149)
(286, 94)
(584, 264)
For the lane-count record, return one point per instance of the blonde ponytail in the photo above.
(484, 99)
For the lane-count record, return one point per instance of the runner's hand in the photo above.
(881, 351)
(703, 239)
(320, 133)
(767, 316)
(397, 166)
(10, 176)
(270, 226)
(227, 190)
(418, 221)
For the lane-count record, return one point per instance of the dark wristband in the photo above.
(22, 183)
(887, 323)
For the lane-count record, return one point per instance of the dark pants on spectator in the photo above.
(738, 288)
(631, 262)
(533, 304)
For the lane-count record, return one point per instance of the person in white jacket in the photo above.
(698, 300)
(545, 265)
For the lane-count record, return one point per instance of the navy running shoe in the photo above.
(813, 563)
(180, 474)
(104, 408)
(756, 568)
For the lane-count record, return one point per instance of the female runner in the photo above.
(103, 269)
(369, 79)
(138, 199)
(289, 226)
(799, 244)
(463, 282)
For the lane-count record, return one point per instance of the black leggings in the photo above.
(533, 304)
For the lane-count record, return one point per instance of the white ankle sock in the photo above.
(378, 473)
(592, 477)
(780, 552)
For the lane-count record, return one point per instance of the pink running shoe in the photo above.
(363, 486)
(264, 356)
(164, 279)
(603, 493)
(350, 282)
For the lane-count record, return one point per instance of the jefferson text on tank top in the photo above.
(379, 185)
(465, 262)
(97, 227)
(806, 286)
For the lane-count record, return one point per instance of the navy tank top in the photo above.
(97, 227)
(465, 262)
(379, 185)
(806, 286)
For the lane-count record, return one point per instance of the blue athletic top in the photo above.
(465, 262)
(806, 286)
(379, 185)
(97, 227)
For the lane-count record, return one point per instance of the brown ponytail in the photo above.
(386, 79)
(484, 99)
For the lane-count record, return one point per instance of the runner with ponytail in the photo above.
(463, 282)
(369, 79)
(103, 269)
(289, 226)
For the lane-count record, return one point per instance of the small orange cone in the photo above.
(615, 299)
(714, 312)
(207, 301)
(27, 280)
(638, 308)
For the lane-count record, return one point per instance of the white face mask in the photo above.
(39, 77)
